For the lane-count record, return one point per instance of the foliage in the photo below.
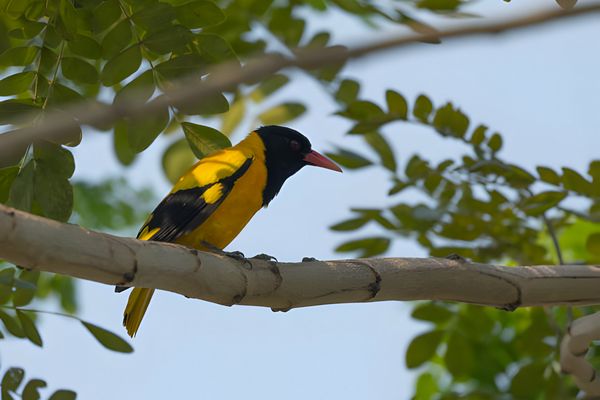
(57, 52)
(489, 210)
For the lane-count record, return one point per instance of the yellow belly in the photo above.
(240, 205)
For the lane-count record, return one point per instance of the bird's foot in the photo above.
(236, 255)
(457, 257)
(265, 257)
(239, 256)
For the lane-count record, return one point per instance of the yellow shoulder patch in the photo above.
(213, 193)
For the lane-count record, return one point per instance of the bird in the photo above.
(213, 201)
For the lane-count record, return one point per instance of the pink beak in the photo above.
(319, 160)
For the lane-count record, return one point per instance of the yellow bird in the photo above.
(213, 201)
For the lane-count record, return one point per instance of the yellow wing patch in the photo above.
(213, 193)
(146, 234)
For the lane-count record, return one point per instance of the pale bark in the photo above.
(573, 349)
(41, 244)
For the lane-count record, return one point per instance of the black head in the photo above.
(286, 152)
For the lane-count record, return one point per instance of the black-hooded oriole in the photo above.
(213, 201)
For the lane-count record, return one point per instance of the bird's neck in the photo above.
(255, 146)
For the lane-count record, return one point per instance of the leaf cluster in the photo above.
(487, 209)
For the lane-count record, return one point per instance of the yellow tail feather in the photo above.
(138, 302)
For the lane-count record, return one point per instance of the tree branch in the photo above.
(229, 75)
(45, 245)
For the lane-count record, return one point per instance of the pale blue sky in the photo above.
(539, 88)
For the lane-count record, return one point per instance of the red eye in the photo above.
(294, 145)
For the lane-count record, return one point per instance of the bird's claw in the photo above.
(239, 256)
(456, 257)
(265, 257)
(236, 255)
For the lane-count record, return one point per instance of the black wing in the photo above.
(183, 211)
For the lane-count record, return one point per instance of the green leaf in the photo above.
(108, 339)
(117, 39)
(439, 5)
(18, 56)
(594, 170)
(12, 325)
(215, 104)
(7, 278)
(68, 16)
(28, 30)
(213, 48)
(177, 159)
(495, 143)
(61, 94)
(362, 110)
(142, 131)
(423, 108)
(349, 159)
(25, 287)
(450, 122)
(234, 116)
(139, 89)
(347, 91)
(7, 177)
(383, 149)
(123, 151)
(282, 113)
(422, 348)
(396, 104)
(204, 140)
(350, 224)
(85, 46)
(368, 247)
(63, 394)
(54, 194)
(427, 387)
(459, 355)
(572, 180)
(31, 389)
(181, 66)
(167, 40)
(541, 202)
(154, 16)
(21, 191)
(29, 328)
(11, 109)
(78, 70)
(121, 66)
(432, 312)
(478, 135)
(268, 87)
(526, 383)
(17, 83)
(105, 14)
(199, 14)
(548, 175)
(592, 244)
(55, 158)
(416, 168)
(12, 379)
